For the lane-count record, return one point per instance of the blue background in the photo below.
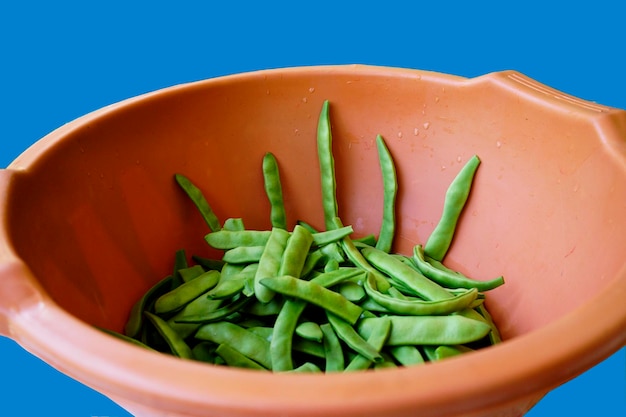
(60, 60)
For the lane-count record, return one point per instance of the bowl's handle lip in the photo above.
(19, 290)
(609, 122)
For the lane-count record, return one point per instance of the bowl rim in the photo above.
(110, 366)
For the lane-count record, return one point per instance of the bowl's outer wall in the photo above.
(97, 216)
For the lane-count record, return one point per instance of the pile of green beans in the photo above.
(307, 300)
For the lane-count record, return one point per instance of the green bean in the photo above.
(369, 240)
(176, 343)
(330, 236)
(270, 263)
(253, 346)
(403, 273)
(307, 367)
(124, 338)
(314, 293)
(296, 251)
(274, 192)
(178, 297)
(227, 288)
(387, 362)
(390, 190)
(356, 257)
(494, 334)
(333, 251)
(191, 272)
(135, 320)
(204, 351)
(180, 262)
(199, 201)
(331, 265)
(429, 330)
(215, 315)
(226, 239)
(439, 241)
(263, 331)
(343, 274)
(352, 338)
(406, 355)
(448, 278)
(327, 167)
(208, 264)
(309, 330)
(352, 291)
(234, 224)
(233, 357)
(243, 254)
(377, 338)
(259, 309)
(417, 306)
(308, 347)
(282, 336)
(333, 352)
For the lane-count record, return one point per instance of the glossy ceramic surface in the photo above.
(91, 217)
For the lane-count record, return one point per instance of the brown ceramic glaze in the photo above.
(91, 217)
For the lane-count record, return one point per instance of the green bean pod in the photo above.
(270, 263)
(429, 330)
(448, 278)
(456, 196)
(390, 191)
(377, 338)
(419, 307)
(282, 336)
(333, 352)
(199, 201)
(404, 274)
(296, 252)
(354, 339)
(176, 343)
(186, 292)
(274, 191)
(233, 357)
(251, 345)
(327, 167)
(227, 239)
(315, 294)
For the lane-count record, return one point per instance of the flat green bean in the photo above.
(314, 293)
(333, 353)
(377, 338)
(296, 252)
(199, 201)
(439, 241)
(352, 338)
(274, 191)
(176, 343)
(327, 167)
(449, 278)
(253, 346)
(282, 336)
(390, 191)
(270, 263)
(418, 307)
(226, 239)
(411, 278)
(183, 294)
(233, 357)
(429, 330)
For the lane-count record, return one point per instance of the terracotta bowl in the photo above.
(91, 217)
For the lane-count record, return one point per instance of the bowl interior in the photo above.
(98, 216)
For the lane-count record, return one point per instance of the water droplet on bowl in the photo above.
(426, 125)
